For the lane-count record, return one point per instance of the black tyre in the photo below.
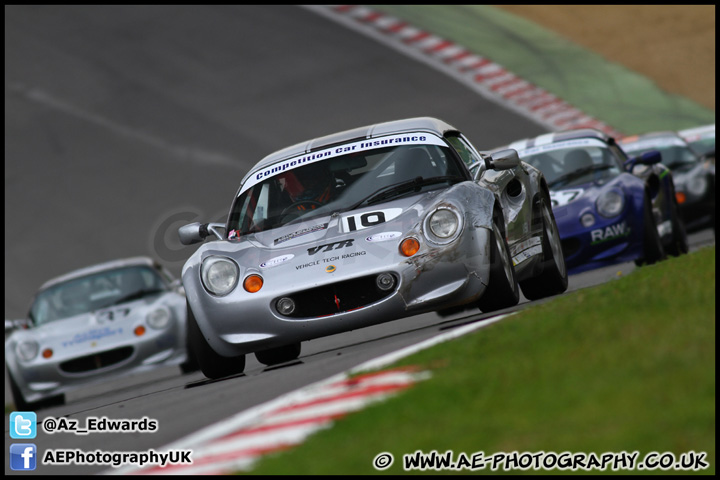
(503, 291)
(554, 277)
(22, 405)
(18, 398)
(653, 250)
(278, 355)
(211, 364)
(679, 245)
(190, 365)
(447, 312)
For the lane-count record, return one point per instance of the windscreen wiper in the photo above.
(680, 163)
(135, 295)
(400, 188)
(577, 174)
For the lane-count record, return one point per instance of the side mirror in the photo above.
(651, 157)
(178, 286)
(504, 160)
(12, 325)
(198, 232)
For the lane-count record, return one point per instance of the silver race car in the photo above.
(363, 227)
(96, 324)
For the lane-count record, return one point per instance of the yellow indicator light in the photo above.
(253, 283)
(409, 247)
(47, 353)
(139, 330)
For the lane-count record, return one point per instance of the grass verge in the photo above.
(627, 366)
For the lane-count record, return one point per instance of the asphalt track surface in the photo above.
(122, 123)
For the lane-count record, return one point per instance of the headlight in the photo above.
(610, 203)
(158, 319)
(219, 275)
(697, 185)
(443, 225)
(27, 350)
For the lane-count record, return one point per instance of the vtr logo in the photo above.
(331, 246)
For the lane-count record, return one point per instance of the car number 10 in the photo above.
(359, 221)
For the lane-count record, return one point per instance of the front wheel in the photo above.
(554, 277)
(503, 291)
(653, 250)
(211, 364)
(23, 405)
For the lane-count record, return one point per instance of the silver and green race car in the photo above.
(362, 227)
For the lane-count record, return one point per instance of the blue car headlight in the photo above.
(219, 275)
(610, 203)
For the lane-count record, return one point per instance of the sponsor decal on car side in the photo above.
(306, 159)
(526, 249)
(525, 151)
(328, 247)
(664, 228)
(609, 233)
(302, 232)
(563, 197)
(94, 334)
(277, 260)
(631, 146)
(383, 237)
(331, 246)
(334, 258)
(110, 315)
(359, 221)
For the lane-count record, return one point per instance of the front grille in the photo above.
(570, 246)
(96, 361)
(338, 297)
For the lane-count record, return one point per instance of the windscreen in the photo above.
(573, 163)
(343, 178)
(94, 292)
(703, 145)
(674, 152)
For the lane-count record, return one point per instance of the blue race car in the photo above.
(609, 208)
